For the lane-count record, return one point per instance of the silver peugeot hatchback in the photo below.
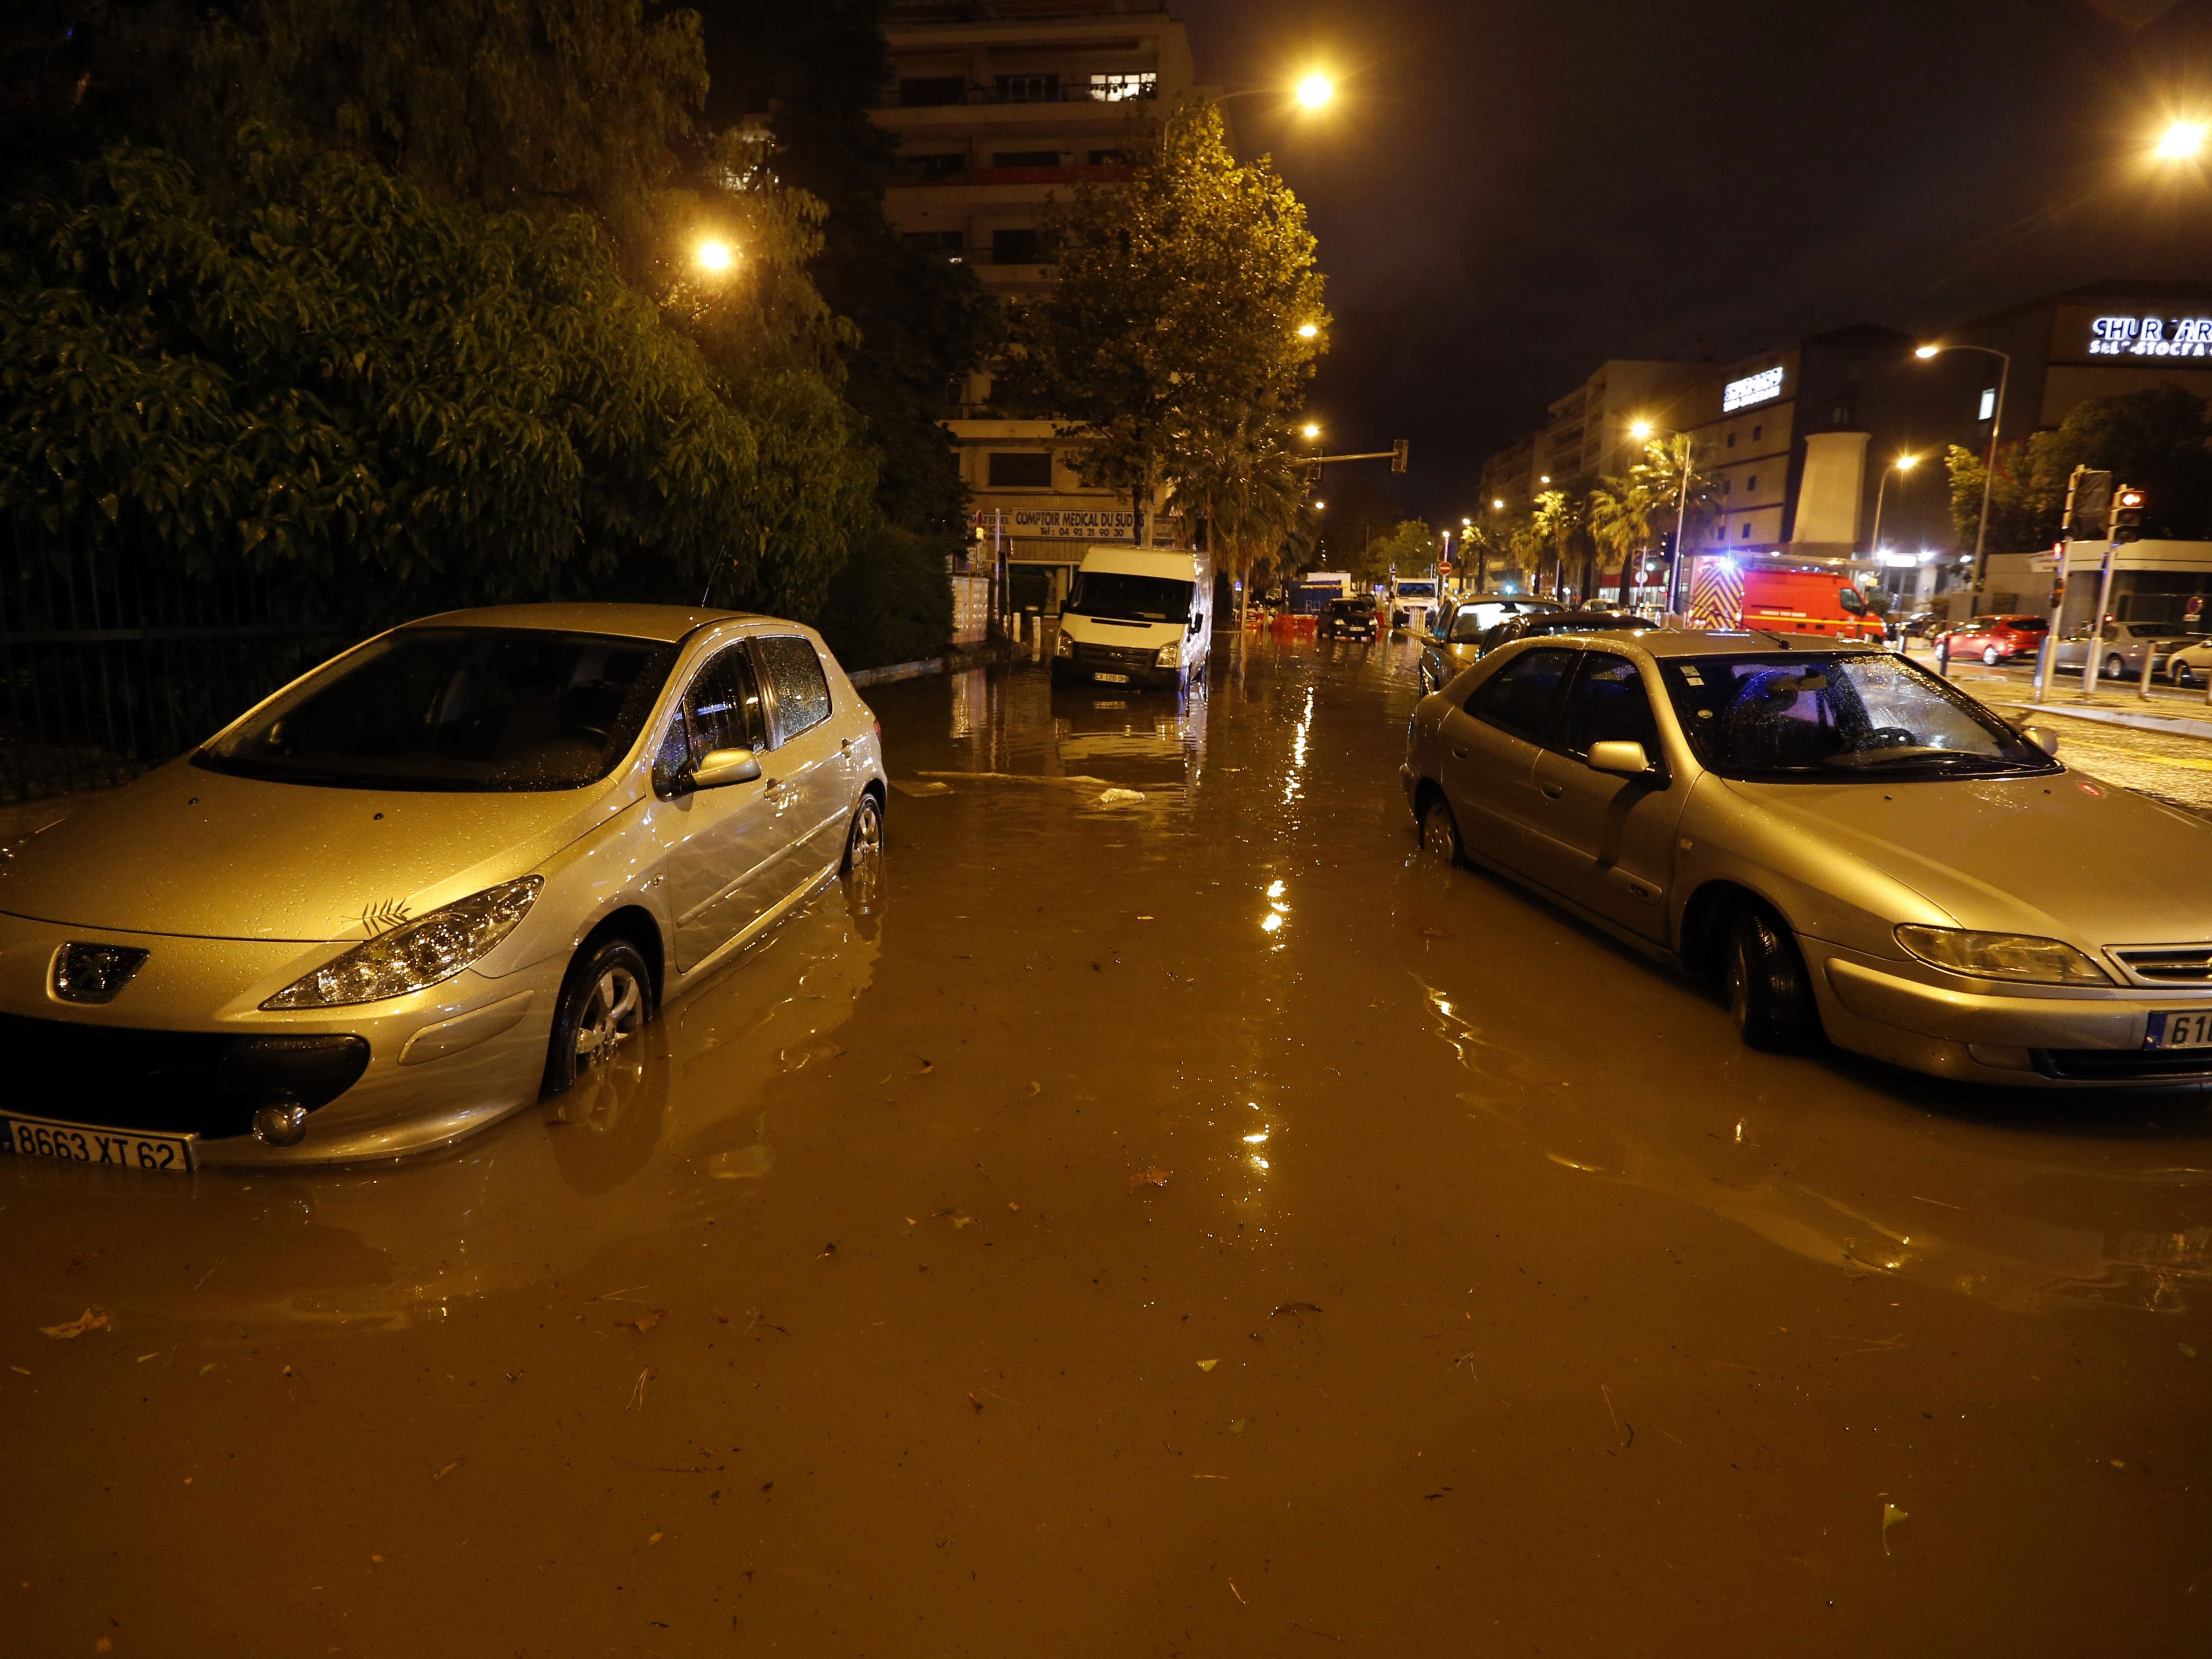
(423, 885)
(1853, 847)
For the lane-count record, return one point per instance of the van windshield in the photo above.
(1119, 596)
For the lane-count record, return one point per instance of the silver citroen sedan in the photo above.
(423, 885)
(1851, 846)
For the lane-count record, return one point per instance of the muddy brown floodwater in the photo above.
(1186, 1226)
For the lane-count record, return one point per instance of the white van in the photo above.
(1136, 616)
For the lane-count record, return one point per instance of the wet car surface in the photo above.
(1187, 1223)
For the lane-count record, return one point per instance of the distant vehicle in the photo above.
(1311, 594)
(1347, 619)
(1587, 621)
(1455, 634)
(1412, 602)
(1853, 847)
(2191, 664)
(2123, 645)
(1808, 602)
(1918, 624)
(1998, 639)
(443, 873)
(1136, 616)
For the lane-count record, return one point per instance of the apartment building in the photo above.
(997, 106)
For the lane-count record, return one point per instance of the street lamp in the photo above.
(1315, 90)
(1902, 464)
(712, 254)
(2182, 142)
(1989, 461)
(1308, 330)
(1643, 432)
(1310, 431)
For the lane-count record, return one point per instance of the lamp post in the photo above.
(1902, 464)
(1642, 430)
(1989, 461)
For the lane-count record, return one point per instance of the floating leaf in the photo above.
(1294, 1308)
(449, 1469)
(1207, 1365)
(92, 1319)
(2187, 1353)
(1151, 1176)
(1891, 1515)
(643, 1322)
(1236, 1424)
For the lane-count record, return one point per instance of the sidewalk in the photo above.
(2169, 709)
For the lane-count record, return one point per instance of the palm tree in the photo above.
(1666, 460)
(1560, 522)
(1621, 520)
(1248, 482)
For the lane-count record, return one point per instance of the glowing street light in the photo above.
(714, 254)
(2182, 141)
(1498, 504)
(1311, 431)
(1307, 331)
(1902, 464)
(1315, 90)
(1641, 430)
(1321, 507)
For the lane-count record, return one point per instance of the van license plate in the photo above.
(2181, 1029)
(85, 1143)
(1112, 679)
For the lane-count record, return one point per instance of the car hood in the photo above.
(187, 851)
(2060, 856)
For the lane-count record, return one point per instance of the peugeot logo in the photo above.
(93, 972)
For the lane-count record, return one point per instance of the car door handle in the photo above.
(771, 785)
(1553, 790)
(1458, 753)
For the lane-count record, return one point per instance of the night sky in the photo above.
(1507, 194)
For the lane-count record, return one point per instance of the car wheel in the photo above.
(606, 999)
(1763, 977)
(1992, 657)
(2115, 669)
(1440, 831)
(2182, 674)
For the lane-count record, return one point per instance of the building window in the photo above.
(1989, 402)
(1731, 440)
(1029, 88)
(1757, 433)
(924, 92)
(1751, 482)
(1026, 158)
(928, 168)
(1021, 469)
(1746, 532)
(1109, 158)
(1024, 246)
(1119, 89)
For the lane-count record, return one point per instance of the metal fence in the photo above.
(108, 667)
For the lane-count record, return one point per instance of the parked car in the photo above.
(2120, 648)
(1453, 637)
(1561, 622)
(1136, 616)
(1853, 847)
(435, 877)
(1346, 619)
(1998, 638)
(2191, 664)
(1920, 624)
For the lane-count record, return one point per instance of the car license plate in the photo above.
(2179, 1029)
(1111, 679)
(85, 1143)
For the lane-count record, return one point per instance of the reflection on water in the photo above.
(1825, 1175)
(666, 1133)
(1021, 724)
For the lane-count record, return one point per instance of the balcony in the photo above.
(1058, 175)
(940, 92)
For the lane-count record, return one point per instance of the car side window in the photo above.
(722, 709)
(1610, 705)
(1466, 626)
(794, 674)
(1520, 697)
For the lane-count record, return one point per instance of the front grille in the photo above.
(1112, 658)
(205, 1083)
(2166, 964)
(2121, 1065)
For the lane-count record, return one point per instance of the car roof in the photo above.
(669, 623)
(1671, 644)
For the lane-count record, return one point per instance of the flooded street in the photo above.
(1180, 1220)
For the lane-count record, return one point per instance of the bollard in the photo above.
(1944, 656)
(2150, 656)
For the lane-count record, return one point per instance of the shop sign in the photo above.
(2151, 337)
(1072, 524)
(1759, 388)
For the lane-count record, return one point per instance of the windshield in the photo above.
(1351, 607)
(1417, 590)
(1119, 597)
(457, 708)
(1801, 715)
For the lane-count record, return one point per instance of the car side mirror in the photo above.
(2042, 736)
(722, 766)
(1626, 759)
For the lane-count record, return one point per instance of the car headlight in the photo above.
(2002, 956)
(1062, 646)
(1168, 656)
(420, 954)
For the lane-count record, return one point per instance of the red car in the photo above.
(1998, 639)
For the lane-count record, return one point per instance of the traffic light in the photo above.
(1398, 449)
(2088, 503)
(2127, 515)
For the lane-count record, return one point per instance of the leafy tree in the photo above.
(1411, 549)
(1249, 484)
(921, 323)
(1177, 311)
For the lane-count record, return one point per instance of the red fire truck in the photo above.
(1808, 602)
